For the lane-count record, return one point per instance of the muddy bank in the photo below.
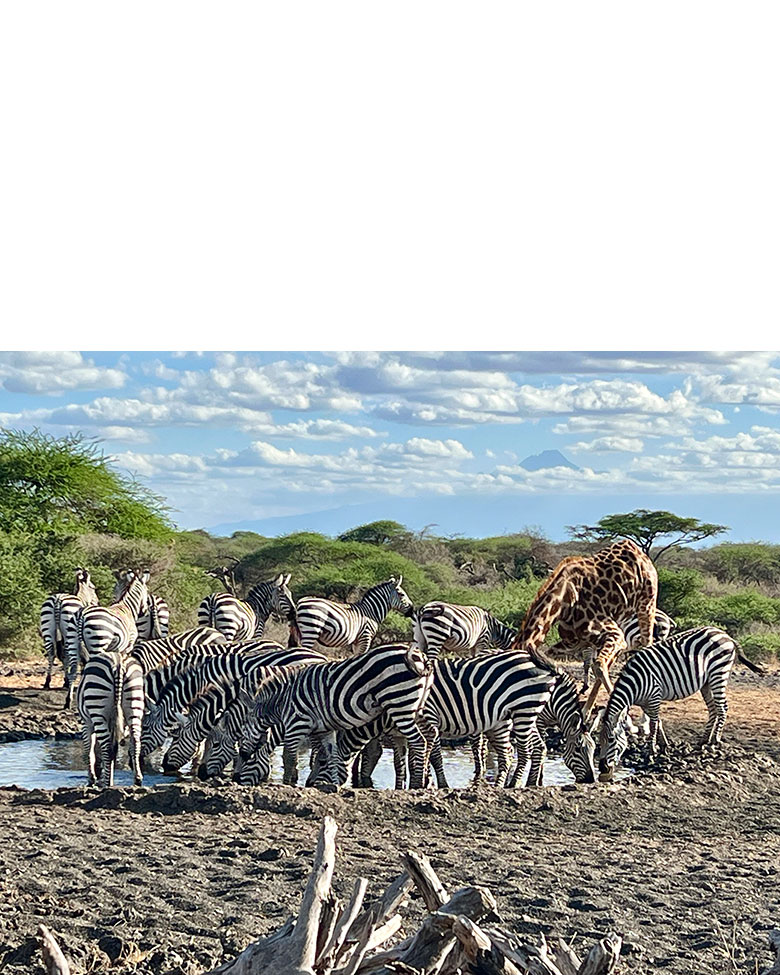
(683, 860)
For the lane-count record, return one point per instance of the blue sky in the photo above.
(278, 441)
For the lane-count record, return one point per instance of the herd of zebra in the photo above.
(224, 696)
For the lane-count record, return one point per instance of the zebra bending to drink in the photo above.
(110, 701)
(662, 627)
(154, 653)
(104, 629)
(696, 660)
(239, 668)
(56, 614)
(322, 699)
(348, 625)
(462, 629)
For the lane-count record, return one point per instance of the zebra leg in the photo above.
(292, 744)
(366, 762)
(90, 742)
(715, 698)
(536, 772)
(479, 751)
(438, 765)
(499, 739)
(400, 758)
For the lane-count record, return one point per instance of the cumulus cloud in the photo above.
(628, 445)
(51, 373)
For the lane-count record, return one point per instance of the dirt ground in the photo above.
(682, 860)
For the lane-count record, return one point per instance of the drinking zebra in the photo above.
(348, 625)
(322, 699)
(56, 613)
(152, 654)
(494, 695)
(101, 629)
(696, 660)
(245, 619)
(223, 668)
(153, 622)
(110, 700)
(662, 627)
(462, 629)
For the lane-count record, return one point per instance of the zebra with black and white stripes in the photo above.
(316, 702)
(110, 700)
(154, 621)
(663, 626)
(460, 629)
(152, 654)
(57, 612)
(495, 695)
(225, 668)
(348, 625)
(103, 629)
(245, 619)
(700, 659)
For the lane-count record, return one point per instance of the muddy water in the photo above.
(52, 764)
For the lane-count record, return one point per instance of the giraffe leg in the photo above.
(608, 641)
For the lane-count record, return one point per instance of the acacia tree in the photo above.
(646, 528)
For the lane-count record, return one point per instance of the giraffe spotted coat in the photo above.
(587, 596)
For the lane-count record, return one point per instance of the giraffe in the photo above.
(587, 596)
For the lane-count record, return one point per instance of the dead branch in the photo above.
(54, 961)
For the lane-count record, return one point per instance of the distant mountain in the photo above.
(547, 459)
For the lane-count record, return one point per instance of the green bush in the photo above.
(761, 646)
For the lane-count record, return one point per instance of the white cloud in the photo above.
(51, 373)
(628, 445)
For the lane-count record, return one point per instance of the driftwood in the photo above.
(457, 935)
(54, 961)
(774, 944)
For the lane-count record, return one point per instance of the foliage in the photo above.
(67, 486)
(760, 646)
(747, 562)
(375, 533)
(645, 528)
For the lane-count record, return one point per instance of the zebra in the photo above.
(101, 629)
(348, 625)
(110, 699)
(152, 654)
(563, 710)
(496, 695)
(700, 659)
(222, 668)
(662, 627)
(56, 613)
(447, 626)
(241, 619)
(153, 622)
(325, 698)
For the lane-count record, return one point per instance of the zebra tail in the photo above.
(155, 633)
(59, 643)
(748, 663)
(418, 632)
(118, 730)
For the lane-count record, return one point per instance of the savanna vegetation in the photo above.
(64, 504)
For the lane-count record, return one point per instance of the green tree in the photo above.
(646, 528)
(375, 533)
(67, 486)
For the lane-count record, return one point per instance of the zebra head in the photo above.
(398, 597)
(85, 586)
(123, 579)
(153, 732)
(283, 605)
(579, 754)
(255, 768)
(612, 743)
(220, 751)
(184, 745)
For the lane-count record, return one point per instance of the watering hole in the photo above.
(52, 764)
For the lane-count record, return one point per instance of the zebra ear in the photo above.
(287, 578)
(279, 580)
(145, 576)
(400, 580)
